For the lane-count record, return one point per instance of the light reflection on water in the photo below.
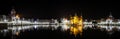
(16, 29)
(106, 27)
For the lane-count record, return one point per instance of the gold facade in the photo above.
(76, 25)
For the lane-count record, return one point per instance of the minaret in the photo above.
(110, 16)
(13, 13)
(110, 20)
(81, 14)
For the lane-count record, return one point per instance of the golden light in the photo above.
(17, 16)
(74, 30)
(76, 25)
(17, 33)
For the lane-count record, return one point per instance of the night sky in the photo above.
(48, 9)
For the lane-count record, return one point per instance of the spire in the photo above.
(70, 16)
(75, 14)
(110, 15)
(13, 13)
(81, 13)
(13, 10)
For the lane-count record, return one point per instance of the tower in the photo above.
(110, 16)
(13, 13)
(109, 21)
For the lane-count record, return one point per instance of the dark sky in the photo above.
(61, 8)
